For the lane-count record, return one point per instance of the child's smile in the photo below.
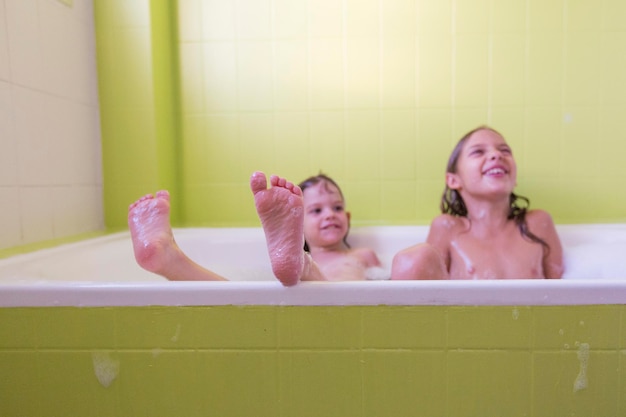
(496, 171)
(325, 220)
(486, 156)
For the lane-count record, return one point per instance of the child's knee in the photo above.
(408, 262)
(418, 262)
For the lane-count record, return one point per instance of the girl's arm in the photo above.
(541, 224)
(440, 234)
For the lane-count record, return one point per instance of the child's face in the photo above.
(326, 222)
(485, 165)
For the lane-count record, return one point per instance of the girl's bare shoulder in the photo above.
(447, 223)
(443, 228)
(539, 219)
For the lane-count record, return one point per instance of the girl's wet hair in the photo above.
(326, 181)
(452, 202)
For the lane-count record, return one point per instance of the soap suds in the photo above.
(105, 367)
(176, 334)
(583, 357)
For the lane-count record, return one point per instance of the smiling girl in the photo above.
(483, 232)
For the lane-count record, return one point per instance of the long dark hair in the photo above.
(326, 180)
(452, 202)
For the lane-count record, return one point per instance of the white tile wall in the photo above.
(50, 151)
(10, 219)
(8, 142)
(4, 45)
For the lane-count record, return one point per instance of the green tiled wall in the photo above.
(532, 361)
(196, 95)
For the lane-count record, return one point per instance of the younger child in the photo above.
(312, 216)
(288, 218)
(483, 232)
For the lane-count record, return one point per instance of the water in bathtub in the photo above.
(591, 251)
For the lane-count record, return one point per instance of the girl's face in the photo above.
(326, 222)
(485, 166)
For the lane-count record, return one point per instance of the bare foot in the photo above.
(149, 223)
(153, 242)
(281, 210)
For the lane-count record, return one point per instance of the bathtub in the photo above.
(102, 272)
(85, 331)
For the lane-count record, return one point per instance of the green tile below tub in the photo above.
(319, 327)
(561, 328)
(320, 383)
(622, 330)
(20, 391)
(584, 382)
(418, 378)
(489, 383)
(312, 361)
(489, 327)
(75, 384)
(235, 327)
(217, 327)
(198, 383)
(238, 383)
(71, 327)
(622, 384)
(404, 327)
(160, 383)
(155, 327)
(17, 328)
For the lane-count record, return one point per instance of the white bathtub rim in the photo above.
(399, 293)
(33, 292)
